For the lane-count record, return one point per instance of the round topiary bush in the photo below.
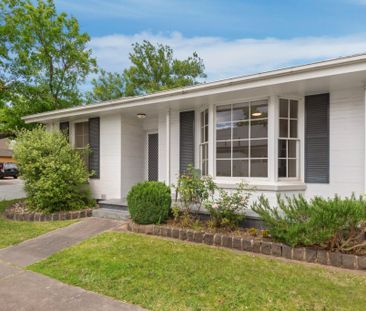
(149, 202)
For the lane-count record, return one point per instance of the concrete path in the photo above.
(45, 245)
(22, 290)
(11, 189)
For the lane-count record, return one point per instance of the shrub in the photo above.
(55, 175)
(149, 202)
(334, 224)
(227, 209)
(193, 189)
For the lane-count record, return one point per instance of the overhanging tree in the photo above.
(43, 60)
(153, 69)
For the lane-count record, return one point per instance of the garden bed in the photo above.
(19, 212)
(245, 242)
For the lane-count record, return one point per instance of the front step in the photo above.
(112, 209)
(111, 213)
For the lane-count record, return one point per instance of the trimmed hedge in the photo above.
(149, 202)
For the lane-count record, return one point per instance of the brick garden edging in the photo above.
(49, 217)
(250, 244)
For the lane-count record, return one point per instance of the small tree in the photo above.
(55, 175)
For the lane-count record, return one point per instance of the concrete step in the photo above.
(111, 213)
(118, 204)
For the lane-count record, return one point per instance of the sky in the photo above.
(232, 37)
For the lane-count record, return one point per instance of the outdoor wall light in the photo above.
(141, 115)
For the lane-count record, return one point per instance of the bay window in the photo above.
(204, 142)
(242, 139)
(288, 139)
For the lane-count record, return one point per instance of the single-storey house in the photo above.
(293, 130)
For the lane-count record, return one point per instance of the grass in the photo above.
(161, 274)
(14, 232)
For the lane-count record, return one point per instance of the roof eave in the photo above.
(177, 94)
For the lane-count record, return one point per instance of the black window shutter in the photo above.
(94, 143)
(317, 139)
(186, 149)
(64, 128)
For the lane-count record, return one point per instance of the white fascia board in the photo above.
(292, 74)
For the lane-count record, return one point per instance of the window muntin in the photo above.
(204, 142)
(242, 139)
(82, 139)
(288, 139)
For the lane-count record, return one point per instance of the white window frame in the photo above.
(269, 156)
(207, 140)
(299, 139)
(73, 137)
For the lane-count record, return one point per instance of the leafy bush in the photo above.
(55, 175)
(227, 209)
(334, 224)
(149, 202)
(193, 189)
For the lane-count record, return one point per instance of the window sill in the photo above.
(266, 186)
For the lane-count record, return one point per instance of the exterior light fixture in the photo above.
(256, 114)
(141, 115)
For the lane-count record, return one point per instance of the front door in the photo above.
(153, 156)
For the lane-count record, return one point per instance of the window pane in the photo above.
(293, 128)
(202, 118)
(258, 129)
(223, 131)
(292, 149)
(258, 148)
(79, 141)
(241, 112)
(202, 134)
(283, 128)
(240, 130)
(259, 109)
(291, 168)
(293, 109)
(258, 168)
(223, 168)
(223, 150)
(282, 148)
(223, 113)
(206, 117)
(206, 133)
(240, 149)
(282, 168)
(283, 108)
(240, 168)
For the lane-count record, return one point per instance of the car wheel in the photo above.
(15, 177)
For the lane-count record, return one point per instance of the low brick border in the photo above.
(49, 217)
(249, 244)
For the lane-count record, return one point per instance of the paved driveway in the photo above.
(11, 189)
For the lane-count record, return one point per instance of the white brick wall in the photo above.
(109, 183)
(347, 147)
(132, 153)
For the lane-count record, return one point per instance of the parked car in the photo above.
(8, 169)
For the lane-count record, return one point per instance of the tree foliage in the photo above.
(43, 60)
(55, 174)
(109, 85)
(153, 69)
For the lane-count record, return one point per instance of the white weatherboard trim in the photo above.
(314, 70)
(168, 147)
(364, 139)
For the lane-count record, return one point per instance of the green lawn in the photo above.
(13, 232)
(172, 275)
